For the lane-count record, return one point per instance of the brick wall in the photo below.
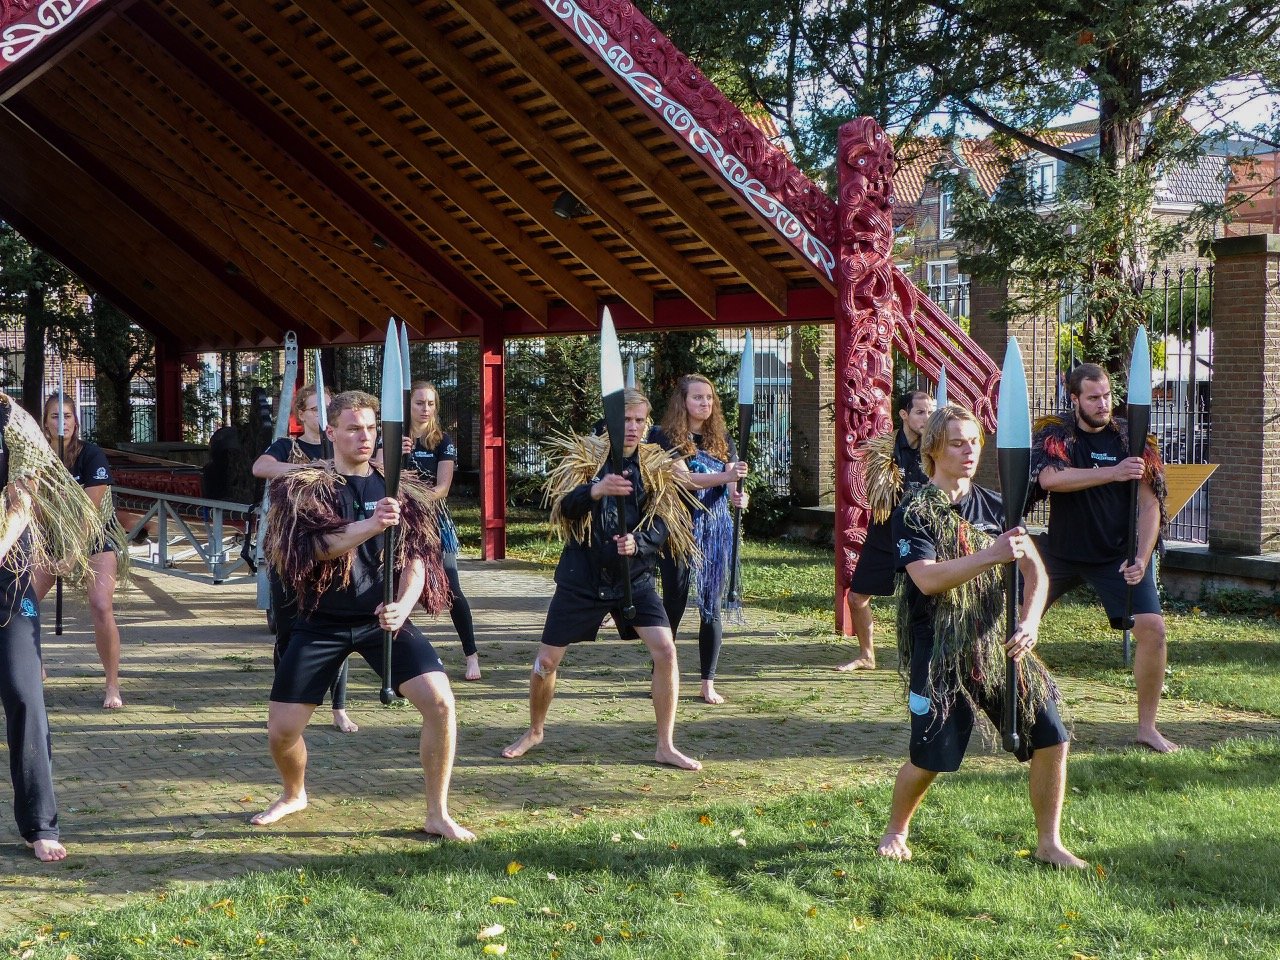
(1244, 497)
(812, 415)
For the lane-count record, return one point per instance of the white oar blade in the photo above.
(611, 379)
(747, 373)
(392, 377)
(1013, 426)
(1140, 370)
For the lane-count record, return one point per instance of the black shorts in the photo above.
(1107, 582)
(939, 743)
(876, 574)
(317, 651)
(575, 616)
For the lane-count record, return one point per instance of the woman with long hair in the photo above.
(694, 429)
(88, 465)
(434, 455)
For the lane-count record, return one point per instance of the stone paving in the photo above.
(160, 792)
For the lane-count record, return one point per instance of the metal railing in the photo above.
(208, 535)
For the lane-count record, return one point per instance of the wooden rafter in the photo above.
(142, 147)
(551, 154)
(387, 176)
(430, 110)
(256, 316)
(409, 297)
(624, 147)
(398, 238)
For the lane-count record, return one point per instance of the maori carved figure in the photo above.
(870, 298)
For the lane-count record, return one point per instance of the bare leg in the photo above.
(542, 690)
(106, 635)
(665, 685)
(863, 627)
(431, 694)
(1048, 784)
(1149, 661)
(285, 723)
(48, 851)
(908, 790)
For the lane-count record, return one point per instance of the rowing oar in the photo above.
(746, 414)
(1139, 417)
(631, 373)
(940, 400)
(406, 377)
(615, 415)
(392, 434)
(322, 409)
(1013, 450)
(62, 449)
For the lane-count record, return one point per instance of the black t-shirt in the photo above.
(712, 495)
(981, 507)
(282, 449)
(428, 461)
(91, 468)
(1091, 525)
(356, 602)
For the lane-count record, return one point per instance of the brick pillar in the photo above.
(1244, 494)
(1037, 338)
(812, 424)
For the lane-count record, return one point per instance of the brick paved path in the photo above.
(160, 791)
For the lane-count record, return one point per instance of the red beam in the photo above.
(493, 453)
(382, 222)
(168, 392)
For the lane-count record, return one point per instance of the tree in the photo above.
(120, 352)
(1140, 64)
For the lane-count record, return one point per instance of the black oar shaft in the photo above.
(57, 597)
(392, 433)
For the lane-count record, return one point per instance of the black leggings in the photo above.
(284, 607)
(26, 722)
(460, 611)
(675, 598)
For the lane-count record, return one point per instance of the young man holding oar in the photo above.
(951, 635)
(325, 541)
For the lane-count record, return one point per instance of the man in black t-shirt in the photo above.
(952, 641)
(1085, 467)
(326, 544)
(893, 461)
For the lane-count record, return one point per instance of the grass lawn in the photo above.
(1179, 847)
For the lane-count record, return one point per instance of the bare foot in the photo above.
(473, 667)
(343, 723)
(1155, 741)
(1059, 858)
(279, 810)
(709, 692)
(446, 828)
(48, 851)
(862, 663)
(112, 700)
(528, 740)
(894, 846)
(674, 758)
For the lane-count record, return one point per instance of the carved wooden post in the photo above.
(867, 311)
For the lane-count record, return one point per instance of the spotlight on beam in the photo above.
(569, 207)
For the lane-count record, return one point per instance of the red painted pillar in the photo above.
(866, 313)
(168, 392)
(493, 449)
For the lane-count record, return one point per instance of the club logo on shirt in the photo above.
(1103, 457)
(451, 451)
(101, 474)
(28, 607)
(369, 507)
(903, 548)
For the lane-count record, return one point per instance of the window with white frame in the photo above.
(948, 287)
(945, 210)
(1044, 179)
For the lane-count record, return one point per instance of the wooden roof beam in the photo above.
(543, 147)
(141, 159)
(63, 202)
(411, 194)
(626, 149)
(405, 290)
(255, 315)
(460, 137)
(382, 222)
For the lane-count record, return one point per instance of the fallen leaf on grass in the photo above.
(839, 874)
(488, 933)
(495, 949)
(737, 833)
(811, 912)
(514, 867)
(1100, 871)
(638, 835)
(1023, 853)
(857, 925)
(502, 902)
(705, 820)
(246, 799)
(552, 876)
